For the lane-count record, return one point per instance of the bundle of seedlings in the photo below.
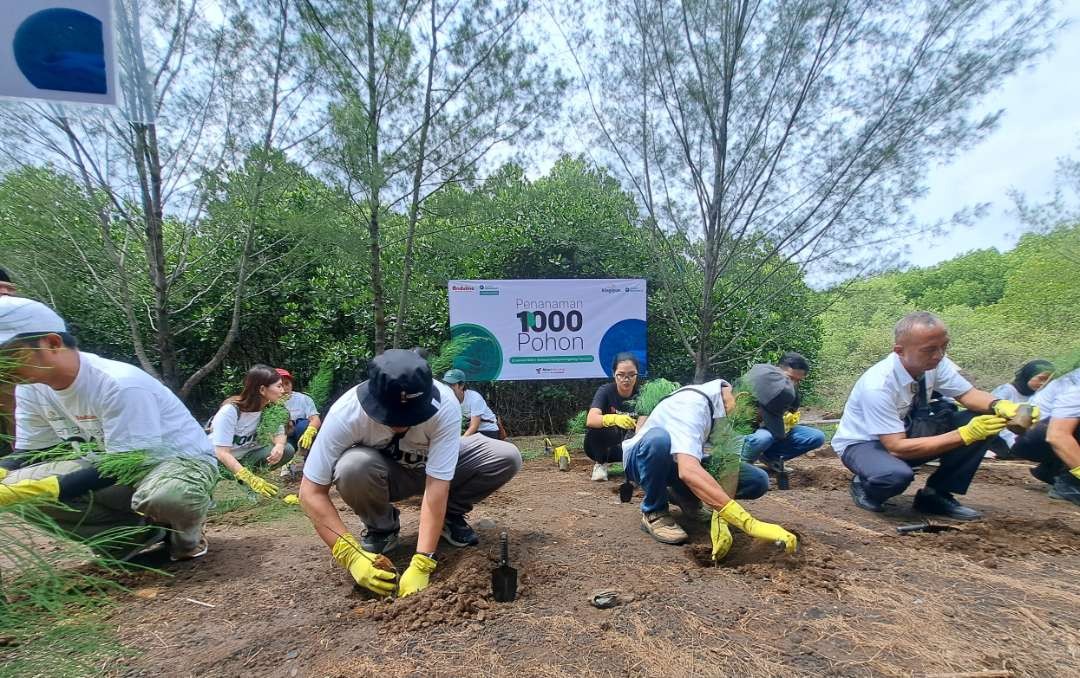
(451, 349)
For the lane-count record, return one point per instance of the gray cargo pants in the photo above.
(369, 481)
(174, 494)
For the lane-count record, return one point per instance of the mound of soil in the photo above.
(812, 566)
(460, 594)
(819, 477)
(1005, 473)
(994, 538)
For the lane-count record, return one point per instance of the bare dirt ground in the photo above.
(857, 600)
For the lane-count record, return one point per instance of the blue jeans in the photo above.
(651, 466)
(299, 426)
(800, 440)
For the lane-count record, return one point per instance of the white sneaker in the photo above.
(599, 472)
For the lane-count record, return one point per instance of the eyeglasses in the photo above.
(626, 377)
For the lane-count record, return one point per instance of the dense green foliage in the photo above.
(1002, 309)
(315, 318)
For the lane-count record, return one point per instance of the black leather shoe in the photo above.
(862, 500)
(928, 500)
(1043, 473)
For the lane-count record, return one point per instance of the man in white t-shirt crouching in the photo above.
(63, 395)
(665, 455)
(890, 426)
(398, 435)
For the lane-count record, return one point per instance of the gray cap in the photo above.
(19, 315)
(454, 376)
(774, 394)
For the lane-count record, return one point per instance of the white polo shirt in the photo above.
(432, 445)
(1060, 398)
(685, 416)
(882, 398)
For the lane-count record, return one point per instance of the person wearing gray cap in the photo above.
(64, 395)
(478, 416)
(777, 444)
(398, 435)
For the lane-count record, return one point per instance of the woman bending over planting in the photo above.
(249, 429)
(611, 417)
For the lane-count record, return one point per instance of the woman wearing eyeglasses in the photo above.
(611, 418)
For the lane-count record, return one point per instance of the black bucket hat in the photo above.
(400, 390)
(774, 393)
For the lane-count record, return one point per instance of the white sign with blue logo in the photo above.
(58, 50)
(546, 329)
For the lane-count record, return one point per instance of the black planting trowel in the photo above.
(504, 577)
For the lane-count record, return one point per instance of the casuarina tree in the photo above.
(766, 138)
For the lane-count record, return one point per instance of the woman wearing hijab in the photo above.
(1031, 377)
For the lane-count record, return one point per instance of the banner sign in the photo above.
(546, 329)
(58, 50)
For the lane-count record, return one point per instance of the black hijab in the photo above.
(1029, 370)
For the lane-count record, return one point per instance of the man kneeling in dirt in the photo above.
(64, 394)
(890, 424)
(1055, 441)
(664, 458)
(398, 435)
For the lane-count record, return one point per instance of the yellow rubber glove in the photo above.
(45, 489)
(736, 515)
(417, 577)
(720, 535)
(358, 562)
(308, 437)
(1075, 472)
(981, 428)
(263, 487)
(1007, 410)
(624, 421)
(3, 473)
(791, 419)
(291, 500)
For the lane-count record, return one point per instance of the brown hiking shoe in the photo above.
(692, 508)
(663, 527)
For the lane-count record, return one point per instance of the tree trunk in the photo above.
(148, 166)
(418, 174)
(378, 305)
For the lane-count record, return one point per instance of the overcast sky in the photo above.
(1041, 123)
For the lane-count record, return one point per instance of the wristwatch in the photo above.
(429, 555)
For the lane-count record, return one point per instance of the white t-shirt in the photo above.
(432, 445)
(883, 396)
(114, 403)
(300, 406)
(474, 405)
(685, 416)
(1060, 398)
(237, 430)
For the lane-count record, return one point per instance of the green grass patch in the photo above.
(236, 504)
(54, 597)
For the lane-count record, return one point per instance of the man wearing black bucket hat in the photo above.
(398, 435)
